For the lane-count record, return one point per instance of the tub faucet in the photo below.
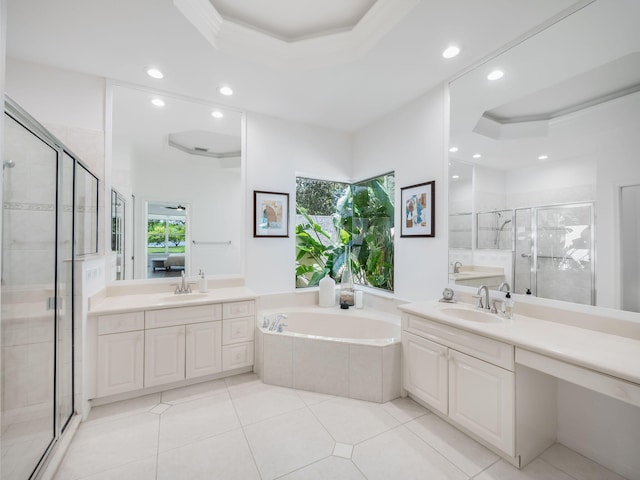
(183, 287)
(504, 285)
(486, 297)
(274, 325)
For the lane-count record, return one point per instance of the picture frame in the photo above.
(270, 214)
(418, 210)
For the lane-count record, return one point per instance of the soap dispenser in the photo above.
(202, 282)
(507, 306)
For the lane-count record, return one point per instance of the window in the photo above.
(332, 216)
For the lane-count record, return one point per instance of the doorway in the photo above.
(167, 246)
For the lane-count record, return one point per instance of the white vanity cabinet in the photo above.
(466, 377)
(155, 347)
(120, 354)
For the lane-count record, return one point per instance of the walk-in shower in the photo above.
(42, 219)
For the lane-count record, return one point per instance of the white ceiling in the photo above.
(117, 38)
(293, 20)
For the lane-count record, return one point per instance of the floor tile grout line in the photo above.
(432, 447)
(302, 467)
(244, 434)
(497, 460)
(158, 444)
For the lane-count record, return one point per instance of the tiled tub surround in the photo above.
(544, 351)
(349, 353)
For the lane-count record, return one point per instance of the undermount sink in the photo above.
(183, 297)
(473, 315)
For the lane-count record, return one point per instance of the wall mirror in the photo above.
(176, 163)
(539, 160)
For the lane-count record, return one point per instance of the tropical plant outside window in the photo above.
(165, 234)
(333, 216)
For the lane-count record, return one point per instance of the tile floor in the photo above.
(239, 428)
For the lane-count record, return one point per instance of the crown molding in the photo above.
(323, 50)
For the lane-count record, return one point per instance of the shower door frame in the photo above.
(19, 115)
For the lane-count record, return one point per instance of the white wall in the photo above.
(276, 152)
(69, 104)
(411, 141)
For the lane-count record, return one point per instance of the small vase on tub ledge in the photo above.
(327, 292)
(346, 282)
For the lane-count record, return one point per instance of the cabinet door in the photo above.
(203, 349)
(481, 399)
(238, 330)
(237, 356)
(425, 370)
(120, 362)
(163, 355)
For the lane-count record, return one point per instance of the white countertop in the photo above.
(614, 355)
(156, 301)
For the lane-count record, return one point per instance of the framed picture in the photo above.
(270, 214)
(418, 203)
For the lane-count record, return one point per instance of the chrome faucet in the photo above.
(486, 305)
(503, 285)
(183, 287)
(456, 267)
(274, 324)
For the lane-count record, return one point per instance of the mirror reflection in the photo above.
(176, 164)
(540, 159)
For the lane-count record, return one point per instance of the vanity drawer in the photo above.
(238, 309)
(182, 315)
(120, 322)
(238, 330)
(237, 356)
(483, 348)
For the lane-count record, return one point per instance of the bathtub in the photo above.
(350, 353)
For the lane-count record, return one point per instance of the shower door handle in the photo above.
(51, 303)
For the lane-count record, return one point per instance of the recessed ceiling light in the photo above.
(543, 157)
(453, 149)
(455, 177)
(451, 51)
(226, 90)
(158, 102)
(153, 72)
(495, 75)
(477, 155)
(217, 114)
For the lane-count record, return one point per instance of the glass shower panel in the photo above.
(523, 252)
(494, 230)
(629, 251)
(28, 300)
(564, 253)
(65, 296)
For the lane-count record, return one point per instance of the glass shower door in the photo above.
(554, 252)
(28, 300)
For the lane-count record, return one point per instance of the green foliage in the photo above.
(317, 197)
(157, 232)
(363, 218)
